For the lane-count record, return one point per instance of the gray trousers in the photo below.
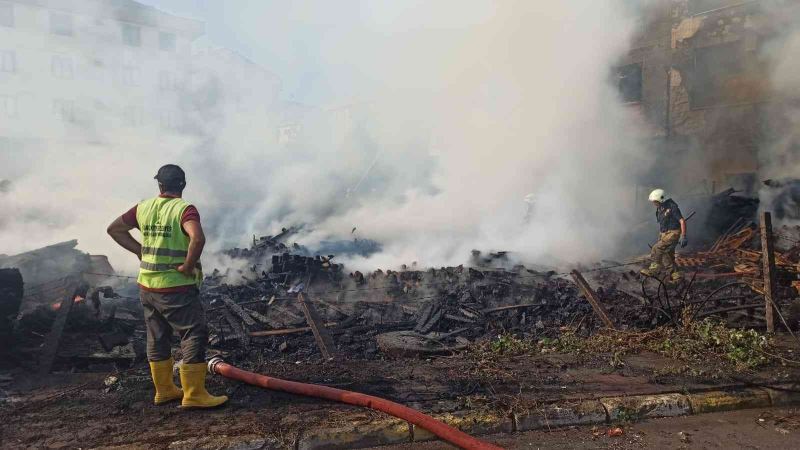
(179, 312)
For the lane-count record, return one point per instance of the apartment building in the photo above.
(79, 71)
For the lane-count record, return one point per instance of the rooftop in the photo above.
(124, 11)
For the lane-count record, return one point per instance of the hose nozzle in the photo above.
(212, 364)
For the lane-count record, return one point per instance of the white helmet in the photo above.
(658, 195)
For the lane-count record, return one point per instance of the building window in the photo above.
(64, 109)
(8, 61)
(168, 120)
(6, 15)
(8, 106)
(61, 24)
(131, 35)
(62, 67)
(704, 6)
(718, 75)
(166, 81)
(629, 82)
(5, 147)
(288, 134)
(130, 76)
(133, 116)
(167, 41)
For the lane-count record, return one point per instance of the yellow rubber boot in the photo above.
(193, 380)
(166, 391)
(651, 271)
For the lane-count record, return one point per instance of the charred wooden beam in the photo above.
(510, 307)
(768, 263)
(236, 326)
(258, 316)
(53, 339)
(592, 298)
(321, 336)
(239, 311)
(284, 331)
(729, 309)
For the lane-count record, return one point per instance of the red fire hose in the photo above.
(444, 431)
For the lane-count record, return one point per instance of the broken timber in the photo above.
(258, 316)
(239, 311)
(53, 339)
(324, 341)
(592, 298)
(284, 331)
(768, 262)
(238, 330)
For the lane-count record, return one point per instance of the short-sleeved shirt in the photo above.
(669, 216)
(189, 214)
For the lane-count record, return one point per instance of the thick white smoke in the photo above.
(519, 104)
(782, 159)
(779, 154)
(457, 121)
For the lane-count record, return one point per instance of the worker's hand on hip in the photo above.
(684, 241)
(186, 270)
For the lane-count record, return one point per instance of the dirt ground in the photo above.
(93, 410)
(749, 429)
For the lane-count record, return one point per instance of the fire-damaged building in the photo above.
(701, 73)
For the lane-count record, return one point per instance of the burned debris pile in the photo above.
(63, 309)
(443, 308)
(284, 303)
(420, 312)
(11, 291)
(83, 328)
(727, 210)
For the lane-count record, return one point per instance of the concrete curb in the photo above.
(606, 410)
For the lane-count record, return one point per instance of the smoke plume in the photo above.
(446, 126)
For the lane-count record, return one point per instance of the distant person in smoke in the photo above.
(672, 227)
(169, 281)
(530, 205)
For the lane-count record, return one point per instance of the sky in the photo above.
(293, 38)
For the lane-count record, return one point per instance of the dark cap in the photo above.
(170, 174)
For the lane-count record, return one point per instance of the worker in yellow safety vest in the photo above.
(169, 281)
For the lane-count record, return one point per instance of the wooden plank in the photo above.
(237, 328)
(768, 264)
(592, 298)
(236, 309)
(728, 309)
(283, 331)
(724, 236)
(509, 307)
(258, 316)
(280, 332)
(324, 340)
(53, 339)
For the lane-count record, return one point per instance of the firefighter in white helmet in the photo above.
(672, 226)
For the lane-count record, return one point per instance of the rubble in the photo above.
(68, 312)
(419, 312)
(727, 209)
(287, 304)
(11, 289)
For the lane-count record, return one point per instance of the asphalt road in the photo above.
(771, 428)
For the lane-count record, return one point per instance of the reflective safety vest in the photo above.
(164, 245)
